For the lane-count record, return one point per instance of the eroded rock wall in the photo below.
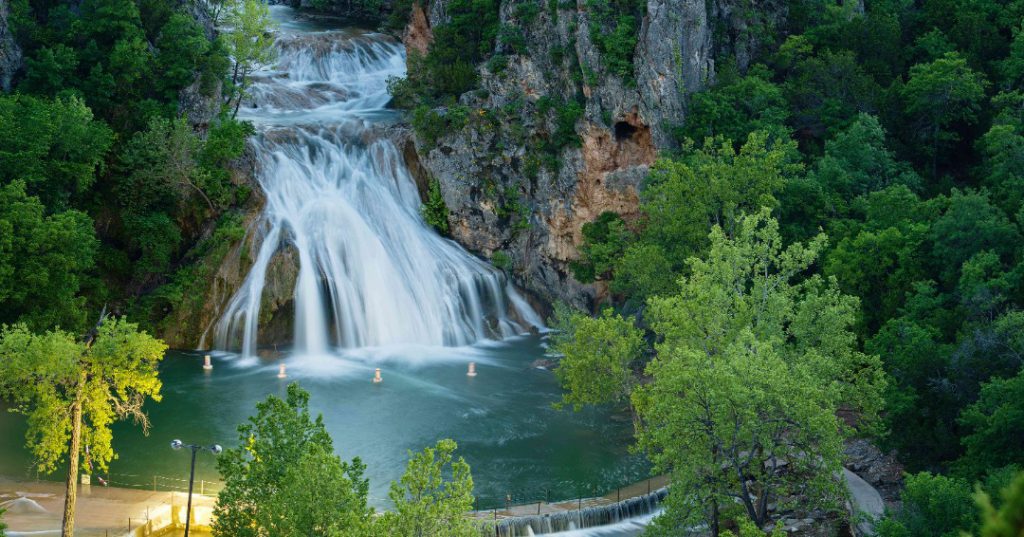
(10, 53)
(624, 126)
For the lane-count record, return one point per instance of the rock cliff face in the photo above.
(488, 167)
(194, 325)
(10, 53)
(505, 190)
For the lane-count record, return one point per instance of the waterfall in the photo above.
(613, 519)
(371, 272)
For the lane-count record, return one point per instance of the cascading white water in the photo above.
(371, 272)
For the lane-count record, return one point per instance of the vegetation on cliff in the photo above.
(115, 148)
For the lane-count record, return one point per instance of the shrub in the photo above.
(501, 260)
(434, 211)
(429, 125)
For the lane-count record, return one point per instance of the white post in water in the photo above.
(472, 370)
(206, 363)
(281, 373)
(376, 376)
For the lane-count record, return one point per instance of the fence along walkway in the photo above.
(538, 517)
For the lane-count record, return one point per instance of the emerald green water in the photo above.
(502, 420)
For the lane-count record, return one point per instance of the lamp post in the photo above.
(215, 449)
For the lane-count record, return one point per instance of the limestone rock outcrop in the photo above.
(488, 168)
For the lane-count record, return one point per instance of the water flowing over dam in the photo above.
(371, 271)
(626, 517)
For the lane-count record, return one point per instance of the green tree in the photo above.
(856, 162)
(826, 89)
(249, 42)
(933, 506)
(881, 251)
(940, 97)
(1006, 520)
(50, 70)
(43, 261)
(320, 495)
(182, 47)
(752, 367)
(73, 390)
(432, 497)
(1002, 150)
(55, 147)
(737, 106)
(268, 479)
(994, 426)
(969, 224)
(711, 186)
(161, 168)
(604, 241)
(644, 270)
(596, 358)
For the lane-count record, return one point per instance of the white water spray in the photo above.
(371, 272)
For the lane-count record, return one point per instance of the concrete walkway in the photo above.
(101, 511)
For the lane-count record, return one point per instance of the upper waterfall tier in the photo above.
(371, 272)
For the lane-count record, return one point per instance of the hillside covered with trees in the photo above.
(859, 166)
(815, 234)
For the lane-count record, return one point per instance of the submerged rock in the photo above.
(542, 363)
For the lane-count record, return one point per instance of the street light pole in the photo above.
(195, 448)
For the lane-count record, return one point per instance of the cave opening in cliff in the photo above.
(624, 131)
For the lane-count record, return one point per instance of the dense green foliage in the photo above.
(43, 261)
(682, 199)
(752, 359)
(268, 479)
(284, 479)
(106, 185)
(432, 497)
(1006, 520)
(597, 353)
(615, 25)
(933, 505)
(449, 67)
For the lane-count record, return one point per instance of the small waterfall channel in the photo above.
(626, 517)
(371, 272)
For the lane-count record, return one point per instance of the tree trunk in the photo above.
(238, 104)
(714, 518)
(71, 490)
